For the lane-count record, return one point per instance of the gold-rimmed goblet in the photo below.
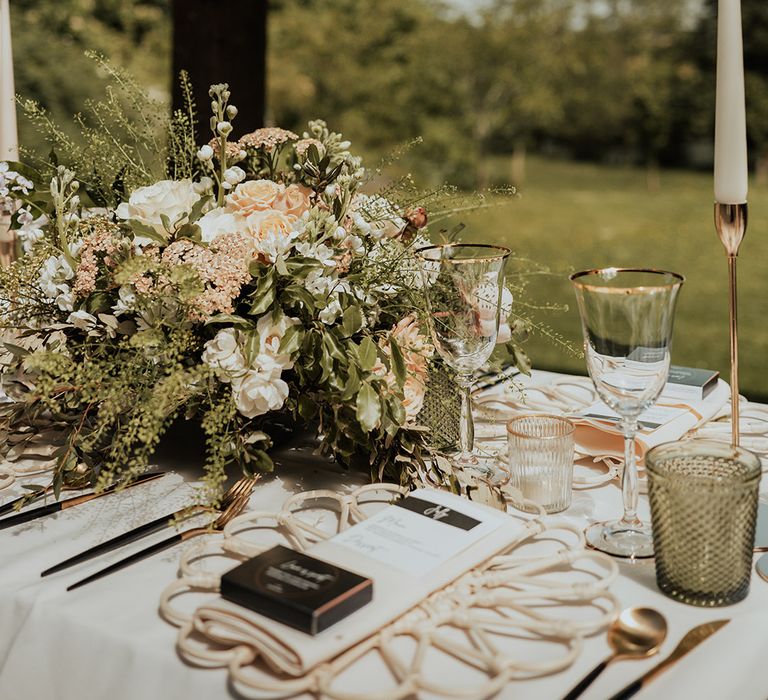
(627, 316)
(463, 286)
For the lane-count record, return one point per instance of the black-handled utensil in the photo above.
(132, 559)
(32, 496)
(690, 641)
(137, 533)
(234, 509)
(115, 543)
(635, 634)
(35, 513)
(489, 380)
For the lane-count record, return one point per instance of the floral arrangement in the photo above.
(257, 282)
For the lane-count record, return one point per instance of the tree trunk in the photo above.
(222, 43)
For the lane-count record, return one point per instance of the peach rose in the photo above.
(295, 200)
(270, 224)
(253, 196)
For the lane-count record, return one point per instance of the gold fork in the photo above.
(235, 506)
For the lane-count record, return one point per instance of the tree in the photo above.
(132, 33)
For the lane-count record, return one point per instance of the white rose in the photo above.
(171, 198)
(223, 355)
(219, 221)
(261, 390)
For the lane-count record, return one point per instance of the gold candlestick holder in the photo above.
(731, 225)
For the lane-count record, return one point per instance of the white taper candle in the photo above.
(9, 135)
(730, 115)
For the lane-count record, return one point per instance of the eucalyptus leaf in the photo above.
(352, 320)
(368, 407)
(335, 350)
(367, 354)
(233, 319)
(16, 350)
(398, 362)
(352, 385)
(146, 231)
(291, 340)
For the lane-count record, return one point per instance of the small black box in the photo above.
(296, 589)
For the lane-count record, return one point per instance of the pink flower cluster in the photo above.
(267, 138)
(223, 269)
(302, 146)
(101, 241)
(234, 150)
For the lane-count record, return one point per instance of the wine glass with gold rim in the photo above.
(463, 286)
(627, 316)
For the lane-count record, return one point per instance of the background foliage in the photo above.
(613, 98)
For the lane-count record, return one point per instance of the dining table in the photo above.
(107, 640)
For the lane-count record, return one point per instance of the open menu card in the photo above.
(409, 549)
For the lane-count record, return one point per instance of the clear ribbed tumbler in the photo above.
(541, 460)
(703, 498)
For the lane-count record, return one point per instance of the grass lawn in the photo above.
(572, 216)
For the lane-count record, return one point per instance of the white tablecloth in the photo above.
(107, 641)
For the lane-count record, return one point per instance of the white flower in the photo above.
(505, 332)
(169, 198)
(271, 335)
(275, 245)
(31, 229)
(318, 251)
(319, 284)
(126, 300)
(376, 216)
(231, 111)
(204, 186)
(331, 312)
(224, 128)
(234, 175)
(260, 390)
(361, 224)
(224, 356)
(219, 221)
(82, 320)
(66, 301)
(55, 274)
(205, 153)
(353, 243)
(486, 300)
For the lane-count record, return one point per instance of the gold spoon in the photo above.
(635, 634)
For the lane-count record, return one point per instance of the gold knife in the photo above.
(692, 639)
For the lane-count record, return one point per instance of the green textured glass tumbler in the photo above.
(703, 498)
